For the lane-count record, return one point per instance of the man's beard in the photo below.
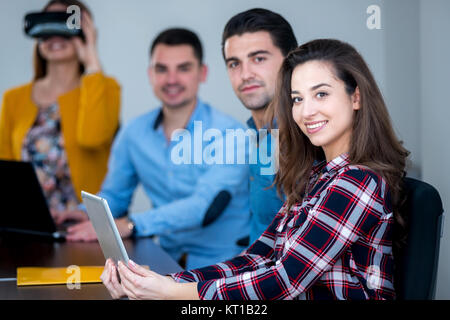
(179, 104)
(255, 101)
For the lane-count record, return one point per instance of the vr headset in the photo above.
(43, 25)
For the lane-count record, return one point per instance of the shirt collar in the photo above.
(158, 120)
(197, 115)
(194, 116)
(251, 123)
(332, 166)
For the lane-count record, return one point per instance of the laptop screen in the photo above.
(23, 205)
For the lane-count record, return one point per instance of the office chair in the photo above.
(416, 263)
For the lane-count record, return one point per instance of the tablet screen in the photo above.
(105, 227)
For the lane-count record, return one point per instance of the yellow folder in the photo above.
(35, 276)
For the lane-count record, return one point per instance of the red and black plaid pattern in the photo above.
(335, 244)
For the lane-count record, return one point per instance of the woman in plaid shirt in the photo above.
(340, 168)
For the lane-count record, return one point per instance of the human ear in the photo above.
(150, 75)
(356, 99)
(203, 72)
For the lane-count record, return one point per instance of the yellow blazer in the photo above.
(89, 119)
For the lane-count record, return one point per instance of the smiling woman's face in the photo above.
(322, 108)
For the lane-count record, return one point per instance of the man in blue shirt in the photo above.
(254, 44)
(200, 208)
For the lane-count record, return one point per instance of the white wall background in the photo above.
(408, 56)
(435, 114)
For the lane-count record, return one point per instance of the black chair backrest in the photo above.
(416, 263)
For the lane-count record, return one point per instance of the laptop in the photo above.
(23, 206)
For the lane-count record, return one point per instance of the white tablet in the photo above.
(105, 227)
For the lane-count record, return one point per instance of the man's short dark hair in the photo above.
(179, 36)
(258, 19)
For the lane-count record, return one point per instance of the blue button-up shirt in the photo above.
(181, 194)
(264, 200)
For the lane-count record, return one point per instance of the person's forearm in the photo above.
(183, 291)
(93, 65)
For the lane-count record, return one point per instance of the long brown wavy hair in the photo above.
(39, 63)
(373, 141)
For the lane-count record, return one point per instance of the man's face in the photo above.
(253, 62)
(175, 74)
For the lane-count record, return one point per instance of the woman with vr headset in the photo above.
(65, 119)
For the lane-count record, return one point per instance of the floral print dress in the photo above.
(44, 148)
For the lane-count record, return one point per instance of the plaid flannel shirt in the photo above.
(335, 244)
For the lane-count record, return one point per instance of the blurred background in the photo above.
(407, 49)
